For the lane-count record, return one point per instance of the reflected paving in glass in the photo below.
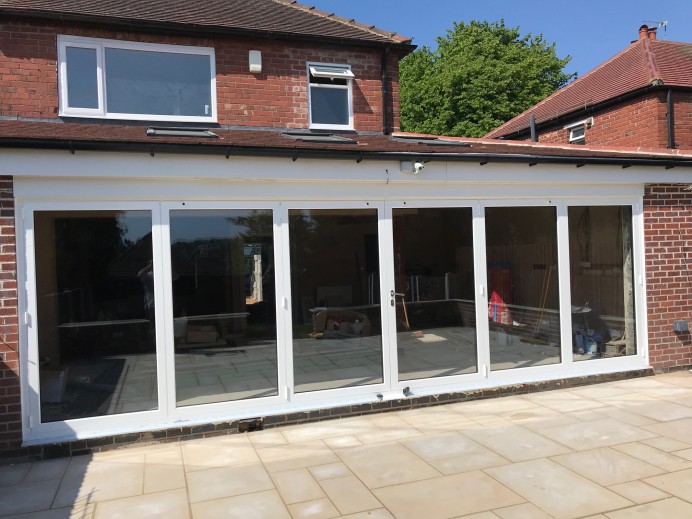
(602, 282)
(223, 305)
(95, 313)
(435, 297)
(335, 288)
(523, 309)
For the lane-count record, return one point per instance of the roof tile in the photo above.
(286, 17)
(33, 134)
(643, 63)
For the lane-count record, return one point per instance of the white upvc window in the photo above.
(577, 131)
(112, 79)
(330, 96)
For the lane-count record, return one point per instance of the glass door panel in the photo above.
(95, 313)
(434, 292)
(523, 310)
(222, 265)
(335, 290)
(602, 282)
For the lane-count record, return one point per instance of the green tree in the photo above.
(481, 75)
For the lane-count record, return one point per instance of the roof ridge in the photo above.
(655, 76)
(345, 21)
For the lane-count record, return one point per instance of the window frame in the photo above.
(575, 137)
(345, 74)
(579, 125)
(100, 46)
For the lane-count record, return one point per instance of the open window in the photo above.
(139, 81)
(577, 131)
(331, 98)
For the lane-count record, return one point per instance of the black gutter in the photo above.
(670, 119)
(385, 98)
(582, 112)
(317, 153)
(194, 30)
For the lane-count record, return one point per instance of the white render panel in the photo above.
(81, 164)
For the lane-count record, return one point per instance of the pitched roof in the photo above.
(266, 143)
(258, 18)
(643, 64)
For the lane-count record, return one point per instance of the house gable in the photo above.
(616, 94)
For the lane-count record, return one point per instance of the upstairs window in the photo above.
(139, 81)
(331, 98)
(577, 135)
(577, 131)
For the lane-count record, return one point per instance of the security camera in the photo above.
(411, 168)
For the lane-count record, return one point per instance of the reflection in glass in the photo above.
(223, 305)
(95, 302)
(82, 80)
(602, 282)
(329, 105)
(335, 288)
(158, 83)
(523, 308)
(435, 299)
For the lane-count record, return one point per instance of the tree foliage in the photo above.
(481, 75)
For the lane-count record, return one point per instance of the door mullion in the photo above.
(164, 320)
(390, 358)
(283, 302)
(481, 289)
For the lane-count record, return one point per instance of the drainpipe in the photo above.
(670, 118)
(385, 97)
(532, 123)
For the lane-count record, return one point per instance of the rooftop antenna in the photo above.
(663, 24)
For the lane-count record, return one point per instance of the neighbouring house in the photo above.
(641, 97)
(209, 221)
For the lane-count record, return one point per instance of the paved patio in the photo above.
(616, 450)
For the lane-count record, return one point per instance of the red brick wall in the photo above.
(10, 413)
(275, 98)
(682, 102)
(637, 122)
(28, 82)
(668, 253)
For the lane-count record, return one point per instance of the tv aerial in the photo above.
(659, 24)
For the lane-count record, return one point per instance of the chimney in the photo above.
(643, 32)
(652, 33)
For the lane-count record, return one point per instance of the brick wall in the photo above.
(10, 413)
(275, 98)
(682, 102)
(668, 242)
(637, 122)
(28, 82)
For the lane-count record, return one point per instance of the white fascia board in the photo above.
(86, 164)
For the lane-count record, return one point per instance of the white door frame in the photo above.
(167, 415)
(480, 297)
(327, 397)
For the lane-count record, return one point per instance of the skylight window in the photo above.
(139, 81)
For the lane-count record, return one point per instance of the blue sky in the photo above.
(590, 31)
